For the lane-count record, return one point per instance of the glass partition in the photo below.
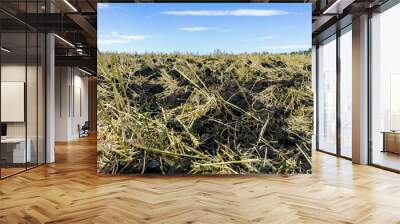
(31, 97)
(346, 92)
(13, 94)
(385, 89)
(41, 97)
(327, 95)
(22, 88)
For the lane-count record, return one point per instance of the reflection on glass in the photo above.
(394, 102)
(14, 153)
(22, 90)
(346, 92)
(41, 98)
(327, 95)
(31, 100)
(385, 84)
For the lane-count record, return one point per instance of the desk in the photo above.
(391, 141)
(13, 150)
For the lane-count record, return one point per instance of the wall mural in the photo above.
(204, 88)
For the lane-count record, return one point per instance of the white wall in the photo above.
(62, 81)
(33, 126)
(14, 72)
(70, 83)
(79, 117)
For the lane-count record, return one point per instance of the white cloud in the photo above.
(107, 6)
(112, 41)
(129, 37)
(103, 5)
(133, 37)
(237, 12)
(194, 29)
(269, 37)
(290, 46)
(120, 39)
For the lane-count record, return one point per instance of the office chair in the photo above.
(84, 130)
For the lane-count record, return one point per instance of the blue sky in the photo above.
(203, 27)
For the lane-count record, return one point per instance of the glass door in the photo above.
(327, 95)
(22, 78)
(346, 92)
(14, 155)
(385, 89)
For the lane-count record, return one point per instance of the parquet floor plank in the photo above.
(70, 191)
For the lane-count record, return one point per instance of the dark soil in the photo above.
(250, 93)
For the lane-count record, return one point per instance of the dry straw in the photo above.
(215, 114)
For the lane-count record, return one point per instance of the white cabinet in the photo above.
(19, 155)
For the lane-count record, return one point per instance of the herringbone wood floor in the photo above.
(70, 191)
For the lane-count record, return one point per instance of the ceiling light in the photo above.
(5, 50)
(84, 71)
(337, 7)
(70, 5)
(65, 41)
(79, 51)
(333, 6)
